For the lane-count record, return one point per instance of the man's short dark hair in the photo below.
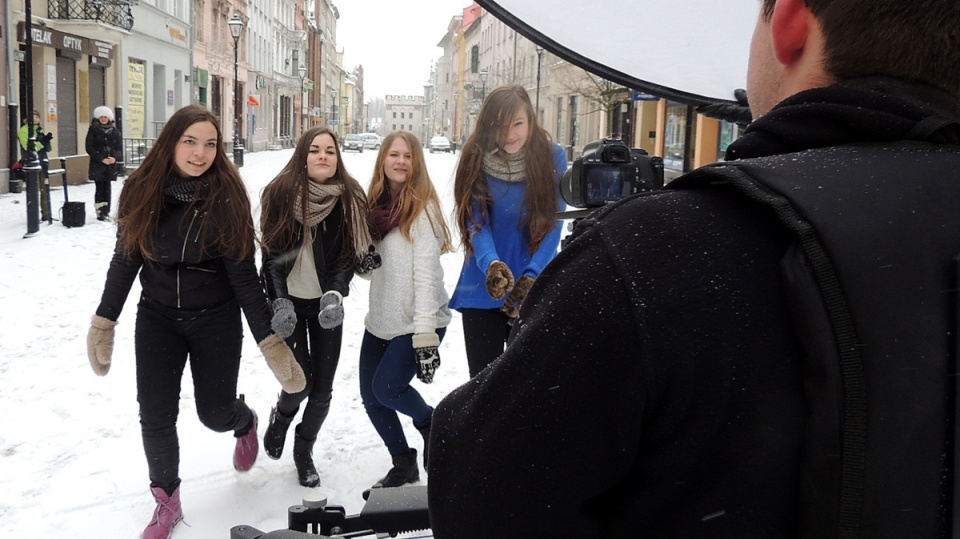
(915, 40)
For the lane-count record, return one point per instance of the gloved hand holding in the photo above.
(284, 366)
(738, 113)
(511, 307)
(284, 318)
(331, 309)
(499, 279)
(370, 261)
(100, 344)
(428, 355)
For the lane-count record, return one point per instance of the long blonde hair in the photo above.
(416, 195)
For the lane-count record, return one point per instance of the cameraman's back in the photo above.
(690, 366)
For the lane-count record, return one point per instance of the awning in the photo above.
(253, 101)
(691, 51)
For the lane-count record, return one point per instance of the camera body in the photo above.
(607, 171)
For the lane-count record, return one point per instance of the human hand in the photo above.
(511, 307)
(499, 279)
(428, 355)
(100, 344)
(370, 261)
(331, 309)
(284, 318)
(284, 365)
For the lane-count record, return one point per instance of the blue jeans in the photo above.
(386, 369)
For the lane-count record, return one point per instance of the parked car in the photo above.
(351, 142)
(439, 144)
(371, 141)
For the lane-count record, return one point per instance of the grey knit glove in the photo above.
(100, 344)
(331, 309)
(428, 355)
(284, 318)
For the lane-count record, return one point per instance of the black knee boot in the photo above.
(276, 435)
(303, 459)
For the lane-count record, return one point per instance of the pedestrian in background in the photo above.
(185, 227)
(104, 145)
(43, 147)
(507, 195)
(408, 313)
(315, 236)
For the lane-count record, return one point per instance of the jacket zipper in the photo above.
(183, 250)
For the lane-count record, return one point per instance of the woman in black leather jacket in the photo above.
(185, 226)
(315, 235)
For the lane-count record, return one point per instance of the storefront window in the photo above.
(729, 132)
(678, 151)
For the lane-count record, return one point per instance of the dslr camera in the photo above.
(606, 172)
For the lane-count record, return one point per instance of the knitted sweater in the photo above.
(406, 292)
(503, 238)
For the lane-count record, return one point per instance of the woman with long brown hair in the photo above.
(507, 196)
(315, 236)
(408, 313)
(184, 225)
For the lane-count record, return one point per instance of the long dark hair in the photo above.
(470, 188)
(279, 227)
(229, 231)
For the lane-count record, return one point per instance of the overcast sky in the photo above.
(395, 41)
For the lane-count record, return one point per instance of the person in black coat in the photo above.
(104, 145)
(672, 371)
(184, 225)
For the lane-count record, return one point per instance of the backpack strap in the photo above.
(854, 398)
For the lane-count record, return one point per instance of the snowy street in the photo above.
(71, 459)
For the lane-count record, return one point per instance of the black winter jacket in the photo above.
(327, 247)
(184, 278)
(103, 141)
(656, 383)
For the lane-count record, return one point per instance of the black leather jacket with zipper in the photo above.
(184, 277)
(327, 246)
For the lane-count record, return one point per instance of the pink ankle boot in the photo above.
(167, 514)
(247, 448)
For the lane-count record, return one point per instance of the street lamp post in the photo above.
(539, 58)
(456, 109)
(333, 112)
(236, 27)
(31, 160)
(303, 73)
(346, 110)
(483, 81)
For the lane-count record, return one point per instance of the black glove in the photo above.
(331, 310)
(46, 138)
(284, 318)
(428, 355)
(369, 261)
(499, 279)
(738, 113)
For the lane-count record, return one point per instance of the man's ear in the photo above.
(791, 25)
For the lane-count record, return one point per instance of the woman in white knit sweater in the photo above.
(408, 312)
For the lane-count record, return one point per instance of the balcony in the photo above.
(113, 12)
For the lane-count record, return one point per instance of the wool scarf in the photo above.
(321, 199)
(183, 189)
(385, 218)
(507, 167)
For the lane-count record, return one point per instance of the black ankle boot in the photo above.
(276, 435)
(303, 459)
(404, 471)
(424, 431)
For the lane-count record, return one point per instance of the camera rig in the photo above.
(387, 511)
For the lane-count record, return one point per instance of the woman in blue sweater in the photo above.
(507, 197)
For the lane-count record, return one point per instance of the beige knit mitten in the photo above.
(100, 344)
(284, 366)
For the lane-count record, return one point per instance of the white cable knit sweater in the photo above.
(406, 292)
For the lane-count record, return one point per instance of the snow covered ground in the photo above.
(71, 459)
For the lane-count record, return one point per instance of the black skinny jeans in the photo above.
(165, 339)
(318, 352)
(485, 333)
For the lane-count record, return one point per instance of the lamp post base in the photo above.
(238, 156)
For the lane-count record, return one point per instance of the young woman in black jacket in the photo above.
(315, 235)
(185, 226)
(104, 145)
